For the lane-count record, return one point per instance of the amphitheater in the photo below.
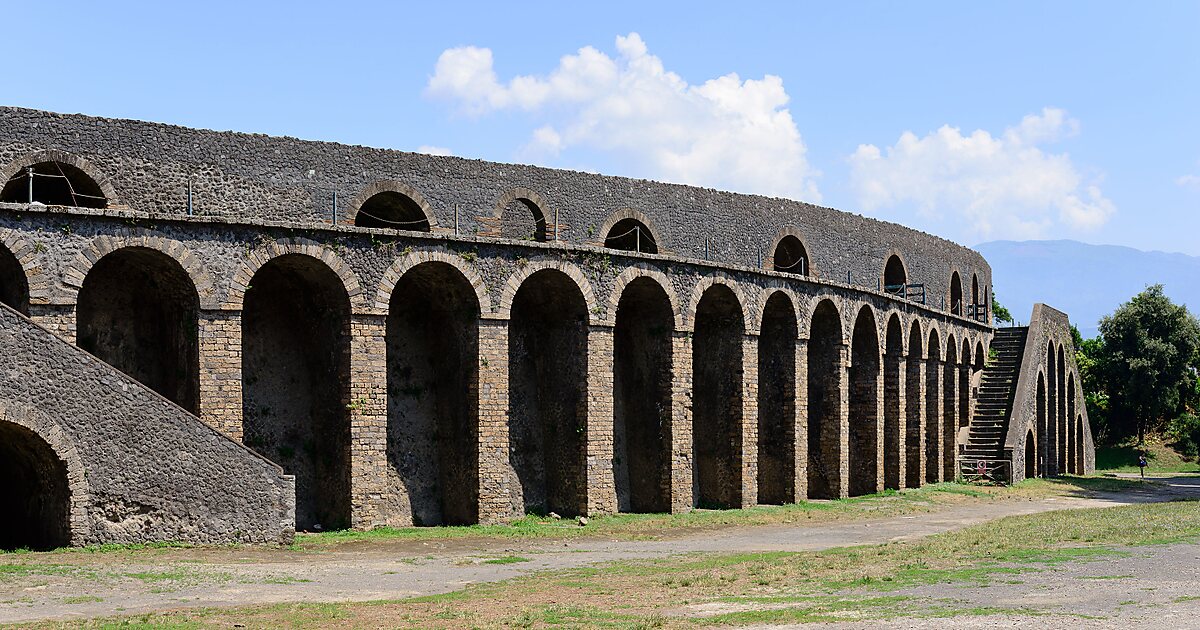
(217, 337)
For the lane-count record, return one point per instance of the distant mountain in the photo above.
(1085, 281)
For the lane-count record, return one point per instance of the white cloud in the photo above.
(1189, 180)
(724, 133)
(1001, 186)
(432, 150)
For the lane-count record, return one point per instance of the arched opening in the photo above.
(138, 312)
(432, 386)
(950, 411)
(893, 428)
(1048, 445)
(933, 410)
(35, 494)
(1072, 444)
(864, 405)
(54, 184)
(295, 382)
(978, 309)
(956, 294)
(717, 398)
(895, 277)
(1079, 445)
(777, 402)
(964, 385)
(791, 257)
(914, 409)
(14, 284)
(547, 404)
(1061, 417)
(642, 355)
(825, 428)
(631, 235)
(394, 210)
(523, 220)
(1041, 424)
(1030, 456)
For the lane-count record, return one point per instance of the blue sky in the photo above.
(1025, 119)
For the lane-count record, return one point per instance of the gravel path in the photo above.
(89, 585)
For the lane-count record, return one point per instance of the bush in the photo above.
(1185, 431)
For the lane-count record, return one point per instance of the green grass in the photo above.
(1159, 455)
(506, 560)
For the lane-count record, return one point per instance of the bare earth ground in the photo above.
(79, 585)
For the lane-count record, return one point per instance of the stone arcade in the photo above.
(219, 336)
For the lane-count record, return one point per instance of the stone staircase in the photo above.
(989, 425)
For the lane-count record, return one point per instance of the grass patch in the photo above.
(506, 560)
(82, 599)
(1159, 455)
(845, 584)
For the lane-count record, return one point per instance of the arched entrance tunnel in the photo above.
(433, 379)
(642, 398)
(717, 398)
(137, 311)
(865, 390)
(777, 402)
(295, 371)
(14, 285)
(547, 413)
(34, 492)
(825, 403)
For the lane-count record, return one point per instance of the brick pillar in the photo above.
(682, 489)
(950, 421)
(601, 486)
(800, 426)
(914, 419)
(933, 420)
(221, 371)
(842, 483)
(900, 437)
(749, 427)
(368, 425)
(57, 318)
(495, 479)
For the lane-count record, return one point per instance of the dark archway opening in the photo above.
(1079, 445)
(950, 411)
(14, 284)
(1041, 425)
(777, 402)
(433, 380)
(825, 369)
(864, 406)
(54, 184)
(893, 427)
(933, 411)
(138, 311)
(1030, 456)
(717, 398)
(964, 385)
(523, 220)
(1061, 417)
(642, 398)
(547, 413)
(631, 235)
(391, 209)
(895, 277)
(791, 256)
(956, 294)
(913, 409)
(1048, 446)
(35, 494)
(295, 383)
(978, 309)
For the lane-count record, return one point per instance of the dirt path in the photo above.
(89, 585)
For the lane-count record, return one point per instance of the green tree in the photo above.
(1088, 356)
(999, 312)
(1146, 363)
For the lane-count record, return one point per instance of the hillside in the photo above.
(1086, 281)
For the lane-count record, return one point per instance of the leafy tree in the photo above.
(999, 312)
(1146, 362)
(1087, 357)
